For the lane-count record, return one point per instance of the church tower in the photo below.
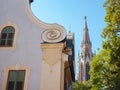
(85, 56)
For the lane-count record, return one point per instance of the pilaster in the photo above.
(51, 78)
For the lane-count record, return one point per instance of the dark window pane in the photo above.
(9, 43)
(87, 71)
(2, 43)
(4, 36)
(10, 35)
(21, 75)
(12, 75)
(8, 29)
(19, 85)
(10, 85)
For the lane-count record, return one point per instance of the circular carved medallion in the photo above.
(53, 35)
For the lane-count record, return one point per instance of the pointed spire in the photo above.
(85, 26)
(86, 39)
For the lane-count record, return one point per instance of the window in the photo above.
(82, 71)
(87, 71)
(15, 80)
(7, 36)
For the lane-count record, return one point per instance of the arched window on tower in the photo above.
(82, 71)
(7, 36)
(87, 71)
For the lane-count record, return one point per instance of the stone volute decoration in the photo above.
(53, 35)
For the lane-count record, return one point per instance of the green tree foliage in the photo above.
(81, 85)
(105, 66)
(100, 76)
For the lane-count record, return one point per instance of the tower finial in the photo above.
(31, 1)
(85, 17)
(85, 23)
(69, 28)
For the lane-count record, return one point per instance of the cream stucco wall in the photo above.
(26, 50)
(51, 77)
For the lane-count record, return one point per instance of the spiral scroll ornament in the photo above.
(53, 35)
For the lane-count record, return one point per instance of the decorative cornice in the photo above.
(60, 45)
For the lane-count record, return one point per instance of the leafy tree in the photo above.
(81, 85)
(75, 86)
(105, 66)
(99, 71)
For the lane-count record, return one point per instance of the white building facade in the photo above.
(32, 54)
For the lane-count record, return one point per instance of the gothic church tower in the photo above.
(85, 56)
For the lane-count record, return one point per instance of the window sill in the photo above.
(7, 47)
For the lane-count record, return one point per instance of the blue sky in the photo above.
(72, 12)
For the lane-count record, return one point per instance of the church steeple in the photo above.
(86, 38)
(85, 56)
(86, 43)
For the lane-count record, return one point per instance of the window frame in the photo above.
(16, 67)
(15, 35)
(5, 36)
(15, 80)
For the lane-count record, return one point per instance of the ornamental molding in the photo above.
(52, 33)
(52, 53)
